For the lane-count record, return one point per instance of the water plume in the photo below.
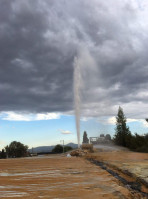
(84, 64)
(77, 80)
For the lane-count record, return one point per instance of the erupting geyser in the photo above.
(77, 79)
(84, 66)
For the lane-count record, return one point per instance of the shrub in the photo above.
(143, 149)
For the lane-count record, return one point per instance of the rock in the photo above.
(79, 152)
(75, 153)
(87, 147)
(68, 155)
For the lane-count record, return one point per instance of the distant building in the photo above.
(99, 140)
(102, 136)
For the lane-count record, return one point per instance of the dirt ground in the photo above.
(135, 163)
(58, 177)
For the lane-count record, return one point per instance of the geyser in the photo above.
(77, 83)
(84, 67)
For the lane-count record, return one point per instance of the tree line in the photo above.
(61, 149)
(124, 137)
(17, 149)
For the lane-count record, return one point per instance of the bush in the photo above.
(138, 143)
(143, 149)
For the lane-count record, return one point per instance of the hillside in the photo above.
(41, 149)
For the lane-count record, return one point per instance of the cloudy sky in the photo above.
(38, 43)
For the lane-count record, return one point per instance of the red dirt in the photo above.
(58, 177)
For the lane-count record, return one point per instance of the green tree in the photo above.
(85, 138)
(57, 149)
(122, 133)
(16, 149)
(146, 119)
(2, 154)
(67, 148)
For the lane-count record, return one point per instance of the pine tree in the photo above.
(146, 119)
(122, 133)
(85, 138)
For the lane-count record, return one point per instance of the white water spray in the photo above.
(77, 100)
(84, 66)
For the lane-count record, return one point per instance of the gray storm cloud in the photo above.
(39, 40)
